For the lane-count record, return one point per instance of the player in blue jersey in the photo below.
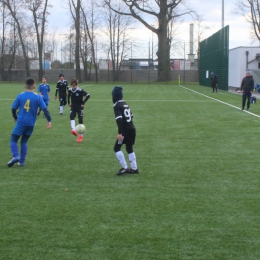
(28, 103)
(44, 91)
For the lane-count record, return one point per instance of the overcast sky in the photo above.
(211, 10)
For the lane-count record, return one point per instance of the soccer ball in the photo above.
(80, 129)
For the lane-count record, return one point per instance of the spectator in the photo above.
(247, 86)
(214, 81)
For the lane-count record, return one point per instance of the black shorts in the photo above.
(62, 98)
(129, 137)
(74, 110)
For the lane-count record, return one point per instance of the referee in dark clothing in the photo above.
(247, 86)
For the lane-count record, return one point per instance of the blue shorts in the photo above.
(46, 101)
(20, 130)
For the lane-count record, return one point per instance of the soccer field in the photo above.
(196, 197)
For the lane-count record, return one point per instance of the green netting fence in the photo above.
(214, 57)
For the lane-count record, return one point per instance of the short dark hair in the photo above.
(29, 82)
(44, 77)
(61, 75)
(74, 82)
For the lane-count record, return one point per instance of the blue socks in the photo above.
(23, 153)
(14, 149)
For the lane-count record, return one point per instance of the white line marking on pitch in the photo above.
(221, 101)
(172, 100)
(163, 100)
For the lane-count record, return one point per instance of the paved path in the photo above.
(233, 90)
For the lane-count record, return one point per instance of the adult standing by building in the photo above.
(62, 89)
(247, 87)
(214, 82)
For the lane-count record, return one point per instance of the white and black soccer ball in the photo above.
(80, 129)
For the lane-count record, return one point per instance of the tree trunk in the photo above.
(40, 73)
(163, 53)
(77, 51)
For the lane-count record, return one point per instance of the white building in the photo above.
(34, 64)
(105, 64)
(240, 60)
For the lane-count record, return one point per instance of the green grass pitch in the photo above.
(196, 197)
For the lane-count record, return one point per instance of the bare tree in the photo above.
(87, 49)
(89, 26)
(38, 8)
(75, 9)
(162, 11)
(51, 44)
(199, 35)
(200, 29)
(250, 9)
(16, 10)
(3, 40)
(116, 29)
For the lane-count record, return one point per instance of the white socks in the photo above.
(61, 109)
(73, 124)
(132, 159)
(121, 158)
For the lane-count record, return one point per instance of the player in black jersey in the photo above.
(126, 132)
(62, 87)
(76, 95)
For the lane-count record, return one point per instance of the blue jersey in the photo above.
(28, 103)
(44, 89)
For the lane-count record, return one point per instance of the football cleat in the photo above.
(80, 138)
(13, 161)
(133, 171)
(20, 164)
(74, 132)
(123, 171)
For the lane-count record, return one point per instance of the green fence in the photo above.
(214, 57)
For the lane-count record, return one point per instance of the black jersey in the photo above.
(62, 87)
(76, 96)
(214, 79)
(124, 117)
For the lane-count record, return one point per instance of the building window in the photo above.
(258, 65)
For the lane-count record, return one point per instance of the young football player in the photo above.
(62, 88)
(44, 91)
(76, 95)
(28, 103)
(126, 132)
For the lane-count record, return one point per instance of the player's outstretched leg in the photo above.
(80, 138)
